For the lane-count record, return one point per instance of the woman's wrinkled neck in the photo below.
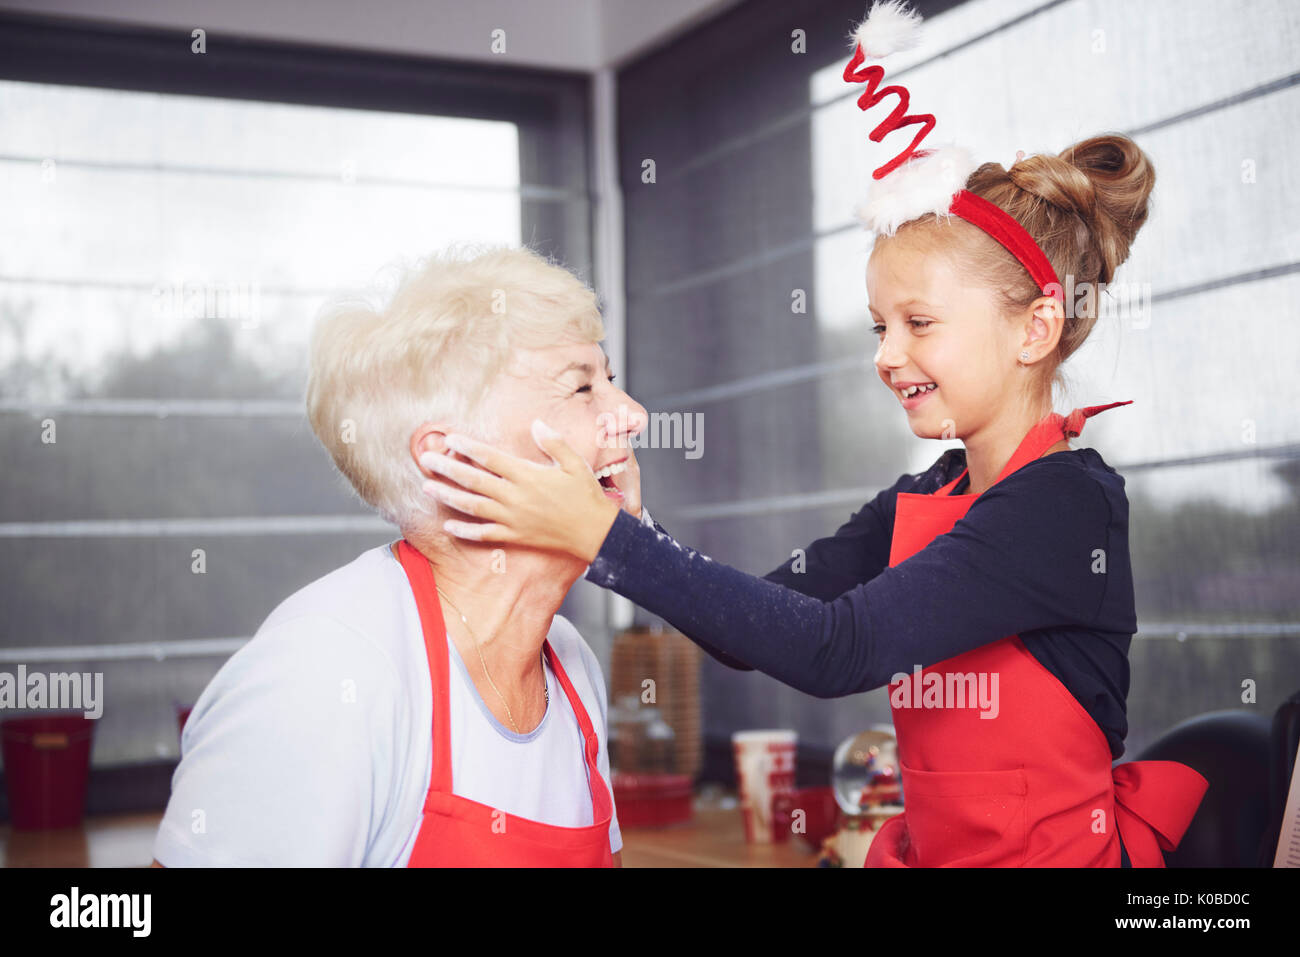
(508, 595)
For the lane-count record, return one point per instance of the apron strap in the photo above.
(429, 607)
(1073, 423)
(602, 803)
(1045, 433)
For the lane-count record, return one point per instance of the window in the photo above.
(173, 223)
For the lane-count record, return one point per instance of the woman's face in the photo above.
(933, 327)
(570, 388)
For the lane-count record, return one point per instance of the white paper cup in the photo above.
(764, 768)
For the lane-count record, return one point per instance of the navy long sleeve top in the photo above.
(1043, 554)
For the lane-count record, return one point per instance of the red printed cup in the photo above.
(764, 769)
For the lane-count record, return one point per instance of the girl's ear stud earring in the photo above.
(1024, 356)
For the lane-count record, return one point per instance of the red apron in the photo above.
(458, 832)
(1034, 786)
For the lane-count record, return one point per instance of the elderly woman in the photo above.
(424, 705)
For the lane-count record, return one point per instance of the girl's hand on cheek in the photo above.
(560, 507)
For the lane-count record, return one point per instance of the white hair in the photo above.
(432, 351)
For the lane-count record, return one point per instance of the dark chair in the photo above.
(1232, 750)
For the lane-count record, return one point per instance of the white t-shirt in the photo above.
(312, 746)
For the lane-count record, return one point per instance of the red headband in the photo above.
(1015, 238)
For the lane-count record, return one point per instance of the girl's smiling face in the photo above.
(934, 327)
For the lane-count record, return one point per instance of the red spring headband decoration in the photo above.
(917, 182)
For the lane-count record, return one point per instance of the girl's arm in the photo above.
(1024, 558)
(830, 566)
(1017, 562)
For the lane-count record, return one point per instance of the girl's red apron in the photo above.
(1034, 785)
(458, 832)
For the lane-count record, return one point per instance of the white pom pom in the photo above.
(924, 184)
(889, 27)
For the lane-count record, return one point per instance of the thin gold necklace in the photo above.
(546, 685)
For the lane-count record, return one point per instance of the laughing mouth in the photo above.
(606, 474)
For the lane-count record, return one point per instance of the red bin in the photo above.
(47, 764)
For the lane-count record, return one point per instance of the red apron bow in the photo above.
(1155, 802)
